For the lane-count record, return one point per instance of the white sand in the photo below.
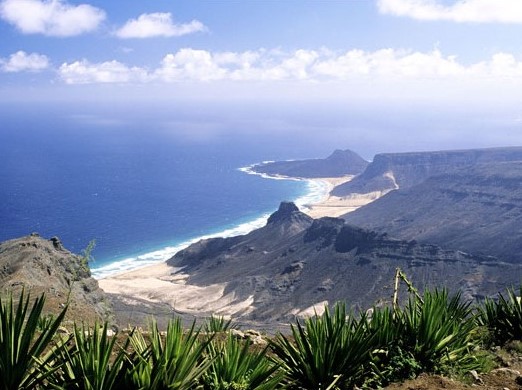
(335, 206)
(163, 283)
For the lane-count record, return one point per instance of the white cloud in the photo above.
(189, 64)
(83, 72)
(479, 11)
(389, 63)
(51, 17)
(157, 25)
(23, 62)
(385, 65)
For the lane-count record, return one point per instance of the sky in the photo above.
(453, 66)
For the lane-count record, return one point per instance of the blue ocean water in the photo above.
(141, 193)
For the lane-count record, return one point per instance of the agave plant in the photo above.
(503, 318)
(235, 367)
(23, 364)
(94, 362)
(327, 351)
(175, 360)
(388, 362)
(438, 331)
(218, 324)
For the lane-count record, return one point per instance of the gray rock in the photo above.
(45, 266)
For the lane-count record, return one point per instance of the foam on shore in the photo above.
(317, 191)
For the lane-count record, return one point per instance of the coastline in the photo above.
(318, 193)
(161, 283)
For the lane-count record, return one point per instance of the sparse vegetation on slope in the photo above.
(433, 333)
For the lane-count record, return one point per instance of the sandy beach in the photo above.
(335, 206)
(162, 283)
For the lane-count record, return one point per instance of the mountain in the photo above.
(476, 209)
(339, 163)
(295, 263)
(45, 266)
(391, 171)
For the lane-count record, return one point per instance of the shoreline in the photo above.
(161, 283)
(318, 192)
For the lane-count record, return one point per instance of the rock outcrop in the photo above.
(339, 163)
(41, 266)
(294, 265)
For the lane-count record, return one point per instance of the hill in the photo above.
(295, 263)
(339, 163)
(45, 266)
(476, 209)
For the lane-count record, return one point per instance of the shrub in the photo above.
(94, 362)
(327, 351)
(235, 367)
(438, 331)
(22, 347)
(218, 325)
(503, 318)
(173, 361)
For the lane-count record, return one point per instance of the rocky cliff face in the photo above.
(45, 266)
(339, 163)
(403, 170)
(476, 209)
(294, 263)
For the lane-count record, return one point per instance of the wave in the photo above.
(317, 190)
(162, 255)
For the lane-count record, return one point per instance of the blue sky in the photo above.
(442, 56)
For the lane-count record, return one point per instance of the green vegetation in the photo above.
(86, 256)
(23, 362)
(503, 318)
(328, 350)
(173, 361)
(433, 332)
(236, 367)
(93, 362)
(218, 324)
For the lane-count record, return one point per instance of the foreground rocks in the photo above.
(41, 266)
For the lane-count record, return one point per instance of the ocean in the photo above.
(140, 191)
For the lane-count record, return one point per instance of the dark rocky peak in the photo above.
(351, 237)
(348, 157)
(288, 212)
(324, 230)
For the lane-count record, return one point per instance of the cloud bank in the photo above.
(190, 65)
(23, 62)
(51, 17)
(157, 25)
(477, 11)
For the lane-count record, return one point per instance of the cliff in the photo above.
(390, 171)
(45, 266)
(476, 209)
(339, 163)
(295, 263)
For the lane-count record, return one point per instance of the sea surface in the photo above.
(142, 193)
